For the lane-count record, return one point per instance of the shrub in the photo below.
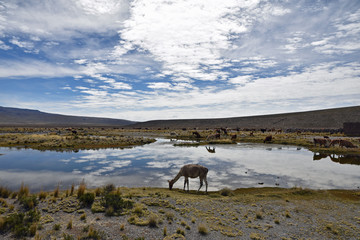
(202, 229)
(180, 231)
(22, 224)
(56, 191)
(29, 202)
(95, 234)
(259, 215)
(138, 210)
(23, 191)
(115, 201)
(69, 225)
(68, 236)
(153, 220)
(72, 189)
(83, 217)
(226, 192)
(97, 192)
(42, 195)
(57, 227)
(169, 215)
(2, 224)
(81, 189)
(4, 192)
(87, 199)
(109, 188)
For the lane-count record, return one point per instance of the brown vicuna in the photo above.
(268, 139)
(214, 136)
(192, 171)
(347, 144)
(335, 142)
(321, 141)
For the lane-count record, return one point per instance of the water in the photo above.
(234, 166)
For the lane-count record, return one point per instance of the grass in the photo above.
(62, 139)
(202, 229)
(171, 211)
(153, 220)
(81, 189)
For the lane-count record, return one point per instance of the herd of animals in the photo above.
(327, 142)
(195, 170)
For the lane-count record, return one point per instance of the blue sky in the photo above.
(169, 59)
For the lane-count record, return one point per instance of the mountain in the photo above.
(34, 118)
(320, 119)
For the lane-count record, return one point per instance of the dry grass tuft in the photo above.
(202, 229)
(81, 189)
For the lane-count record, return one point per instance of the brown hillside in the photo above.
(320, 119)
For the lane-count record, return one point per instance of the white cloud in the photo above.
(33, 68)
(240, 80)
(188, 37)
(4, 46)
(307, 90)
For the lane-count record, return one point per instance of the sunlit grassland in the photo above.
(243, 213)
(68, 140)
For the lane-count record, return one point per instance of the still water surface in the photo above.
(234, 166)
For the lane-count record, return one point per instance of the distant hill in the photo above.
(320, 119)
(33, 118)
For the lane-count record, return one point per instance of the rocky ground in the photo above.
(151, 213)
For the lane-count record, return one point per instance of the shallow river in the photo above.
(233, 166)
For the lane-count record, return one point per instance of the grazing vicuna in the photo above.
(321, 141)
(197, 135)
(192, 171)
(334, 142)
(268, 139)
(214, 136)
(347, 144)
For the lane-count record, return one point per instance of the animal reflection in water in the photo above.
(210, 150)
(192, 171)
(342, 159)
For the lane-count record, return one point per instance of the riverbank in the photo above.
(155, 213)
(73, 139)
(69, 139)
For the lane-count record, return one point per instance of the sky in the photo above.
(174, 59)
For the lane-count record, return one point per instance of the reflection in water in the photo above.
(233, 166)
(342, 159)
(210, 150)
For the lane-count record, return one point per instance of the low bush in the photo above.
(115, 202)
(226, 192)
(21, 224)
(202, 229)
(4, 192)
(29, 202)
(87, 199)
(23, 191)
(153, 220)
(81, 189)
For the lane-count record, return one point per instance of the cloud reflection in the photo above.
(233, 166)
